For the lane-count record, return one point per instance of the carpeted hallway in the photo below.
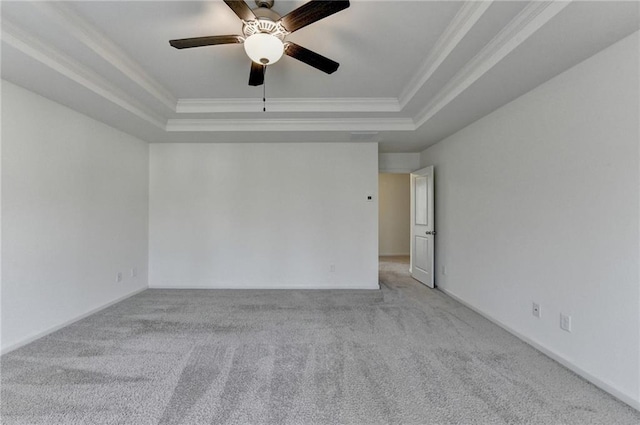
(405, 354)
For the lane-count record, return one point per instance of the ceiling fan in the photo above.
(265, 32)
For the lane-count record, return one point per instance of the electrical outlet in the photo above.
(134, 272)
(535, 310)
(444, 270)
(565, 322)
(118, 277)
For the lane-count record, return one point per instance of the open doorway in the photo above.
(394, 222)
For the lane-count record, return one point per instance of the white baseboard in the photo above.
(394, 254)
(266, 286)
(552, 354)
(48, 331)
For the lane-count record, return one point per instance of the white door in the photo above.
(422, 230)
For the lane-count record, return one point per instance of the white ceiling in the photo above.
(412, 72)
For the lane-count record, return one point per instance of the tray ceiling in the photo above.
(412, 72)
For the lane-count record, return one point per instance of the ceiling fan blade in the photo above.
(311, 58)
(311, 12)
(256, 77)
(241, 9)
(186, 43)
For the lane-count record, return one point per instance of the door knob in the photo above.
(431, 233)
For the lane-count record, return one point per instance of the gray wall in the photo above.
(74, 214)
(290, 215)
(539, 201)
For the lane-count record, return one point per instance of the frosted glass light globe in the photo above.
(264, 49)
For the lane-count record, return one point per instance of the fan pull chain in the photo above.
(264, 90)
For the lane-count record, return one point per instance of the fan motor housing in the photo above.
(266, 26)
(266, 13)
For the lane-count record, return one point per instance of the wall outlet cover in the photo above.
(535, 310)
(565, 322)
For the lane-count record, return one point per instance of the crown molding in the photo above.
(318, 124)
(526, 23)
(465, 19)
(87, 34)
(520, 28)
(70, 68)
(201, 106)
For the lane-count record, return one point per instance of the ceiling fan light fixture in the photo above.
(265, 31)
(264, 49)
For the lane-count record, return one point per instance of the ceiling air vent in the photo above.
(364, 136)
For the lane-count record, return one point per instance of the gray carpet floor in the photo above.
(405, 354)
